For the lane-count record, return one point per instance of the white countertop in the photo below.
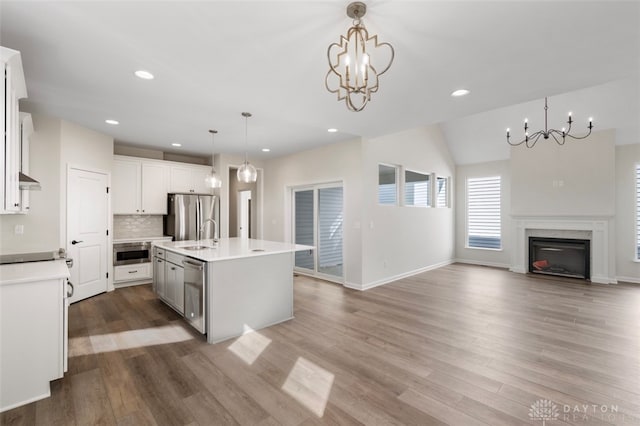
(17, 273)
(231, 248)
(140, 239)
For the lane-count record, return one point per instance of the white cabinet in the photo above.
(13, 89)
(159, 280)
(138, 271)
(189, 179)
(33, 334)
(139, 186)
(174, 294)
(168, 278)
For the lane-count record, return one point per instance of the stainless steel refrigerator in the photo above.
(190, 217)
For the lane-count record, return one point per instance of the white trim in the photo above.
(397, 277)
(481, 263)
(632, 280)
(27, 401)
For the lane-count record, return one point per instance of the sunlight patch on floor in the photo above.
(250, 345)
(310, 385)
(129, 339)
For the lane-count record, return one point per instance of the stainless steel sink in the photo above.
(197, 247)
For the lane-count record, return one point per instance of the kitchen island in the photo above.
(247, 283)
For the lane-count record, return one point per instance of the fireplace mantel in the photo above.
(597, 230)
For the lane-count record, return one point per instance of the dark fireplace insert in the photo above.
(564, 257)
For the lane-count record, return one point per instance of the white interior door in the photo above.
(244, 213)
(87, 225)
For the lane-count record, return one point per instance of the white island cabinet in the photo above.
(248, 283)
(33, 330)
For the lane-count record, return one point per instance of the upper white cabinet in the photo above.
(189, 179)
(13, 89)
(139, 186)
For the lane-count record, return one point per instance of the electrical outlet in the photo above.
(19, 229)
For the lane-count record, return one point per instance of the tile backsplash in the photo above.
(134, 226)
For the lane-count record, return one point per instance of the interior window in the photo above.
(417, 189)
(387, 184)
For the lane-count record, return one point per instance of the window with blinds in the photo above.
(638, 211)
(442, 198)
(387, 184)
(483, 213)
(417, 189)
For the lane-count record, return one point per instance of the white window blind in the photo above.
(387, 185)
(441, 187)
(483, 213)
(417, 189)
(330, 231)
(304, 232)
(638, 211)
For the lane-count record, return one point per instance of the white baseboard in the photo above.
(632, 280)
(480, 263)
(387, 280)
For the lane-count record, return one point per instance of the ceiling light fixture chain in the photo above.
(247, 173)
(531, 139)
(352, 75)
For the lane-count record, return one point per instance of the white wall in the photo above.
(575, 179)
(41, 225)
(626, 268)
(500, 258)
(331, 163)
(401, 240)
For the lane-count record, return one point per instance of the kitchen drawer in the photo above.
(174, 258)
(159, 252)
(132, 272)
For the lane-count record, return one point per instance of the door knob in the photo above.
(74, 242)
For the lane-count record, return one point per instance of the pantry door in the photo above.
(87, 236)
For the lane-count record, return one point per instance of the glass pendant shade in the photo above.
(213, 180)
(247, 173)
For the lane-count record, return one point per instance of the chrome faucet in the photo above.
(215, 229)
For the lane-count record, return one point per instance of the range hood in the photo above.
(26, 182)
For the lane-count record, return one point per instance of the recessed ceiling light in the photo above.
(112, 122)
(332, 130)
(145, 75)
(460, 92)
(265, 150)
(176, 144)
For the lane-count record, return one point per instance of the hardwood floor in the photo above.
(460, 345)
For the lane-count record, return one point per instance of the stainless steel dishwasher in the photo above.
(195, 278)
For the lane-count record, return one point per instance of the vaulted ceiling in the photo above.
(214, 59)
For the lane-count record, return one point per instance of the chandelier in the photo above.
(213, 180)
(558, 135)
(247, 173)
(352, 74)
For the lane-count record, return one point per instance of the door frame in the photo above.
(290, 227)
(64, 238)
(257, 209)
(241, 206)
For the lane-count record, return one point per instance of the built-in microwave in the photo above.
(131, 253)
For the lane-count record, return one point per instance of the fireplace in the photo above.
(566, 257)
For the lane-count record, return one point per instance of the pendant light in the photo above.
(213, 180)
(247, 173)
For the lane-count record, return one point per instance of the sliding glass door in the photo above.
(318, 221)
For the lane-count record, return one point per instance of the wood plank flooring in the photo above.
(460, 345)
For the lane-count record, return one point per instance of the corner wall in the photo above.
(399, 241)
